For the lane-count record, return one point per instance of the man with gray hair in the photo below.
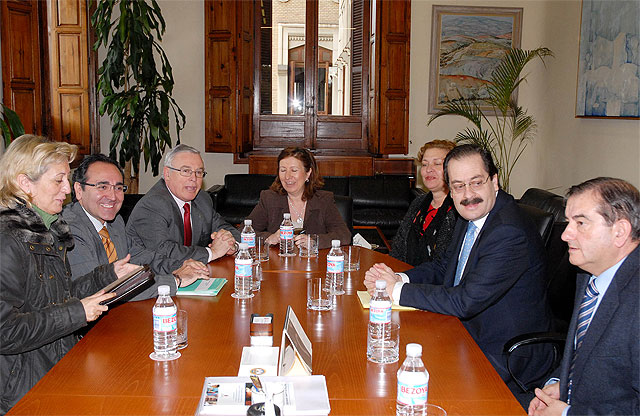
(176, 219)
(600, 370)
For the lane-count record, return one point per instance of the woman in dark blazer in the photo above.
(427, 227)
(296, 190)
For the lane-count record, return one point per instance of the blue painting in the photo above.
(609, 66)
(468, 44)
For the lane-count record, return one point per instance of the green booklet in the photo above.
(202, 287)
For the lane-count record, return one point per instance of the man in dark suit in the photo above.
(492, 274)
(600, 370)
(99, 232)
(175, 218)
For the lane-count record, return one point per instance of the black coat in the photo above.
(40, 305)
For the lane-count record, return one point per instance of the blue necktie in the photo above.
(585, 313)
(469, 238)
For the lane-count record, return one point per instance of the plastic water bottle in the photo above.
(286, 236)
(413, 383)
(165, 327)
(379, 332)
(243, 273)
(248, 236)
(335, 268)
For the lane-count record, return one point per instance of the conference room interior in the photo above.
(566, 150)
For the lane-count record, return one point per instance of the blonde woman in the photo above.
(40, 306)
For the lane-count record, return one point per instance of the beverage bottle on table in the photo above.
(243, 273)
(286, 236)
(379, 335)
(165, 326)
(413, 383)
(248, 236)
(335, 268)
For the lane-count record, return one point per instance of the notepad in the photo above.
(203, 287)
(365, 297)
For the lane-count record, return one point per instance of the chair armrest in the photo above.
(218, 195)
(557, 341)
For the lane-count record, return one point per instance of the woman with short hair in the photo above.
(427, 227)
(296, 190)
(40, 305)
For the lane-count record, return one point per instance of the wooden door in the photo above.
(21, 62)
(69, 81)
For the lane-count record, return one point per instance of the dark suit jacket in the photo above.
(321, 217)
(156, 224)
(88, 251)
(607, 369)
(502, 291)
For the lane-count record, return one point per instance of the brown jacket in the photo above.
(321, 217)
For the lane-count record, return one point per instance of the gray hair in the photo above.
(181, 148)
(618, 200)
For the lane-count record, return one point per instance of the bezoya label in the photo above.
(249, 238)
(286, 232)
(335, 264)
(243, 267)
(165, 323)
(412, 394)
(380, 311)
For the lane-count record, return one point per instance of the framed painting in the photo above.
(467, 44)
(609, 60)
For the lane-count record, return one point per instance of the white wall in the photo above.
(566, 151)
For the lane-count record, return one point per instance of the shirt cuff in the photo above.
(552, 380)
(210, 254)
(565, 412)
(397, 288)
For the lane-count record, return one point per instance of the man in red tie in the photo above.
(600, 370)
(176, 219)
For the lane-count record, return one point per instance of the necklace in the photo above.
(299, 218)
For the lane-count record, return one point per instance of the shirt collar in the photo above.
(179, 201)
(97, 224)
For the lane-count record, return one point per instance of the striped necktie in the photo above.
(585, 313)
(108, 245)
(469, 238)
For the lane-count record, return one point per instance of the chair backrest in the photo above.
(244, 190)
(380, 191)
(130, 201)
(542, 220)
(345, 207)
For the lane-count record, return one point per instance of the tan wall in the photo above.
(567, 150)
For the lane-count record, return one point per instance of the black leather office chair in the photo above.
(560, 279)
(345, 207)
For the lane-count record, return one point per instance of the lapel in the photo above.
(581, 284)
(461, 229)
(178, 219)
(87, 225)
(197, 222)
(605, 312)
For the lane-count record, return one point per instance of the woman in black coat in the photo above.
(427, 227)
(40, 305)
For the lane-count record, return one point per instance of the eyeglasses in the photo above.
(187, 172)
(474, 185)
(105, 187)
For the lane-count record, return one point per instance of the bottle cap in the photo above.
(243, 246)
(335, 243)
(414, 350)
(381, 284)
(163, 290)
(287, 216)
(247, 222)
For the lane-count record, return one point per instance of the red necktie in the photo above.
(187, 225)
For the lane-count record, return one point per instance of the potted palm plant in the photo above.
(136, 89)
(505, 128)
(10, 125)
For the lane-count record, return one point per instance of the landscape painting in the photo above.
(609, 62)
(467, 44)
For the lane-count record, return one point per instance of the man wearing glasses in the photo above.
(175, 219)
(492, 274)
(99, 231)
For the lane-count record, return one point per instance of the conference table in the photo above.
(109, 371)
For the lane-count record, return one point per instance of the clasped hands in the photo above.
(299, 240)
(381, 271)
(222, 242)
(547, 401)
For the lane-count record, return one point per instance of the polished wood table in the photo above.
(109, 371)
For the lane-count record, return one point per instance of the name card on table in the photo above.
(295, 348)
